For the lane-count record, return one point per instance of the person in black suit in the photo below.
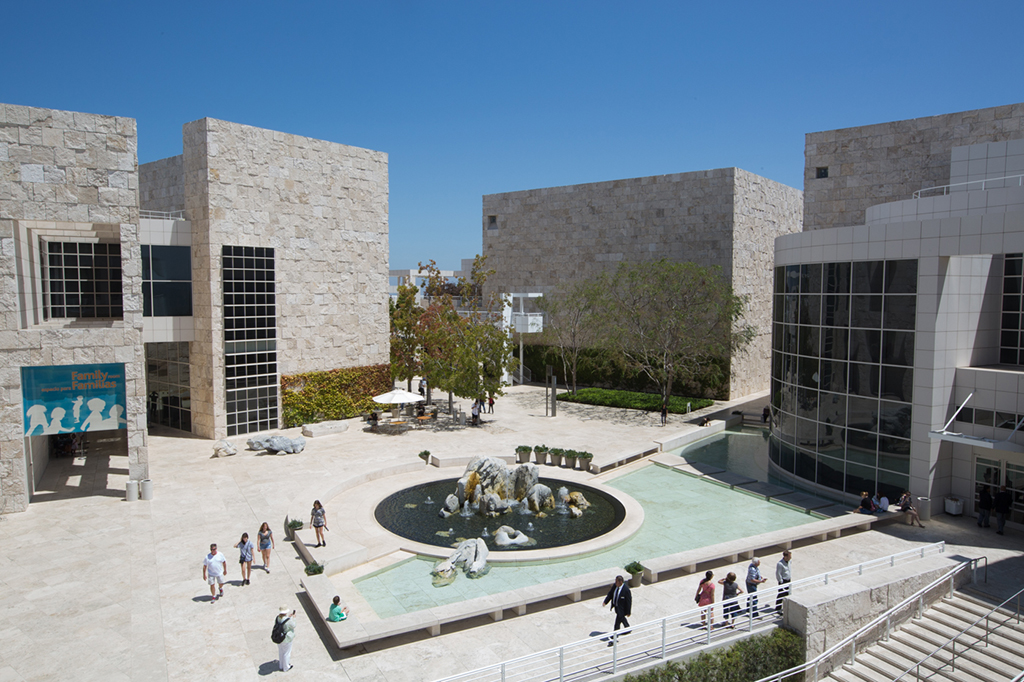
(622, 602)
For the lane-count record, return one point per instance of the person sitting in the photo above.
(881, 502)
(337, 613)
(866, 505)
(420, 410)
(907, 508)
(705, 421)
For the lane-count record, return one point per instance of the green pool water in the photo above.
(680, 512)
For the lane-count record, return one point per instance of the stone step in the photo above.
(902, 656)
(883, 667)
(977, 608)
(1007, 637)
(924, 641)
(846, 674)
(999, 655)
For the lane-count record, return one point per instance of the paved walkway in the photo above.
(95, 588)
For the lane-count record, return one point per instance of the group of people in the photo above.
(478, 408)
(215, 565)
(880, 503)
(1001, 503)
(621, 599)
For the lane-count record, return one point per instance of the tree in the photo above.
(570, 323)
(463, 353)
(405, 342)
(671, 321)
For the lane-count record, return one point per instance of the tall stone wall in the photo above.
(67, 176)
(323, 207)
(885, 162)
(162, 185)
(539, 239)
(763, 210)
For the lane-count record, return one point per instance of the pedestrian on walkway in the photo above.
(490, 404)
(706, 597)
(664, 412)
(318, 519)
(783, 575)
(1002, 503)
(622, 602)
(754, 578)
(285, 623)
(265, 537)
(730, 589)
(245, 549)
(215, 570)
(984, 507)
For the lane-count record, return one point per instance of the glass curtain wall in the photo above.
(842, 373)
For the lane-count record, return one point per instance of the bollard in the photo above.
(132, 491)
(146, 489)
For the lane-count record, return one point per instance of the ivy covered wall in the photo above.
(335, 394)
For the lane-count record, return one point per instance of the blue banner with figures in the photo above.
(73, 398)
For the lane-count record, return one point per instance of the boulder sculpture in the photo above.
(470, 555)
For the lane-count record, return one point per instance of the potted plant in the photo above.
(540, 453)
(523, 453)
(570, 458)
(314, 569)
(584, 458)
(425, 456)
(636, 573)
(292, 526)
(555, 455)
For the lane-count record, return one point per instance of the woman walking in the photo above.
(265, 537)
(706, 597)
(730, 589)
(245, 548)
(318, 519)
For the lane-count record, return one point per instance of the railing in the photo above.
(522, 375)
(943, 190)
(163, 215)
(916, 669)
(916, 599)
(598, 656)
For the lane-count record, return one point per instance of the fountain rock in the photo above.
(576, 499)
(468, 487)
(494, 476)
(224, 448)
(451, 506)
(524, 477)
(506, 536)
(492, 505)
(575, 512)
(470, 555)
(540, 498)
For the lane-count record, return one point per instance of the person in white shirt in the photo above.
(215, 569)
(881, 502)
(783, 576)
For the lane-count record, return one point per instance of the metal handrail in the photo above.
(658, 638)
(945, 188)
(163, 215)
(851, 640)
(916, 668)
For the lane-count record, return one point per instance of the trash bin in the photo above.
(146, 489)
(924, 508)
(954, 506)
(132, 491)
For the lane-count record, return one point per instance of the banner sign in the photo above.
(73, 398)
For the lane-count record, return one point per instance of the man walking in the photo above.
(215, 569)
(984, 507)
(1003, 502)
(754, 578)
(284, 647)
(622, 603)
(783, 576)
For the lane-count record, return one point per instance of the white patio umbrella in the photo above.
(398, 396)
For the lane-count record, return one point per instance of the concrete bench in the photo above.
(452, 460)
(602, 463)
(734, 550)
(344, 633)
(692, 432)
(344, 554)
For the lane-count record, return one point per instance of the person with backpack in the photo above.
(283, 635)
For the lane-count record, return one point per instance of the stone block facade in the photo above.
(539, 239)
(72, 177)
(874, 164)
(161, 186)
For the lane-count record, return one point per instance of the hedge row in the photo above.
(633, 401)
(748, 659)
(336, 394)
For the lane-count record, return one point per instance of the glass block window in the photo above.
(250, 339)
(1011, 339)
(842, 373)
(166, 281)
(168, 385)
(82, 279)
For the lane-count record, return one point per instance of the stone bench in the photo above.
(692, 432)
(325, 428)
(321, 593)
(602, 463)
(734, 550)
(344, 554)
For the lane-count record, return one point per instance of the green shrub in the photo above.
(585, 455)
(336, 394)
(634, 567)
(295, 524)
(748, 659)
(425, 455)
(314, 569)
(633, 401)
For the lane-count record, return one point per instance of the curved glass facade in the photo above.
(843, 373)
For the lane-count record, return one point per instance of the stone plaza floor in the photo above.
(96, 588)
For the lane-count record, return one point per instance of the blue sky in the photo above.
(473, 98)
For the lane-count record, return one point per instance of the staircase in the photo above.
(1000, 660)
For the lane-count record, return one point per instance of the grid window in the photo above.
(250, 339)
(1010, 340)
(168, 385)
(166, 281)
(82, 279)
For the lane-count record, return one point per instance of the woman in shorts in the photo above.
(245, 548)
(730, 589)
(265, 538)
(318, 519)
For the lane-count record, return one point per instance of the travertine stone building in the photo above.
(848, 170)
(68, 200)
(538, 239)
(178, 293)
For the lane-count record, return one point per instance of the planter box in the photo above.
(556, 460)
(635, 579)
(523, 457)
(541, 457)
(954, 507)
(570, 462)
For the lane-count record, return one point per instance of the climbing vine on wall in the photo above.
(336, 394)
